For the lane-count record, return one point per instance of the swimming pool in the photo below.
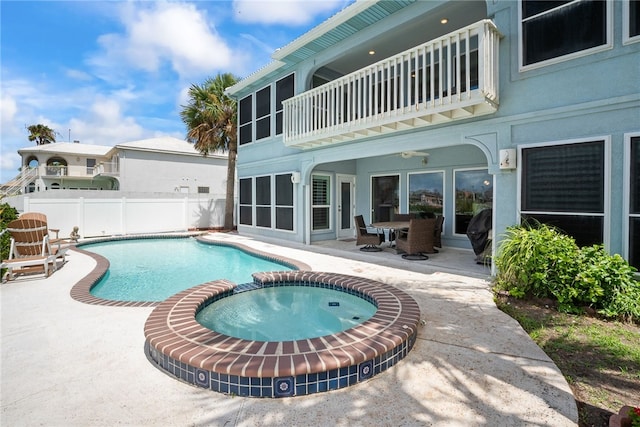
(179, 345)
(285, 313)
(155, 269)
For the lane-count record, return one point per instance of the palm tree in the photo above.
(211, 120)
(41, 134)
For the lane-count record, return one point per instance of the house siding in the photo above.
(595, 96)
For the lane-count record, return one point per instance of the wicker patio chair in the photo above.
(364, 237)
(437, 236)
(400, 217)
(418, 240)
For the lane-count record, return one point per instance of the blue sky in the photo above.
(106, 72)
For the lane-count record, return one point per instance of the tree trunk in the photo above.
(231, 180)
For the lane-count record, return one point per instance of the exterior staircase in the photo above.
(17, 185)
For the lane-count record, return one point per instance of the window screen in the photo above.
(634, 204)
(634, 18)
(246, 117)
(284, 91)
(263, 201)
(552, 29)
(564, 178)
(563, 185)
(284, 202)
(245, 201)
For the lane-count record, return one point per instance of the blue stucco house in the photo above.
(448, 107)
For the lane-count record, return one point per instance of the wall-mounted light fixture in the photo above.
(295, 177)
(508, 159)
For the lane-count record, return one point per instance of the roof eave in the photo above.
(279, 56)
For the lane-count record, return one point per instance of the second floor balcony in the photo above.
(107, 168)
(453, 77)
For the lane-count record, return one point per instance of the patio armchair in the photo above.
(30, 250)
(400, 217)
(55, 242)
(437, 234)
(417, 240)
(364, 237)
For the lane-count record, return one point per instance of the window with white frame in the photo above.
(560, 30)
(321, 202)
(267, 201)
(284, 90)
(631, 21)
(245, 201)
(245, 120)
(284, 202)
(263, 113)
(256, 111)
(385, 197)
(563, 185)
(263, 201)
(473, 194)
(426, 193)
(634, 202)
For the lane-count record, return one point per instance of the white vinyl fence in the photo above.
(127, 215)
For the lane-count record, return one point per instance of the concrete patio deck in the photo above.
(65, 363)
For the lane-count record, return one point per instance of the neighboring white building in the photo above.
(156, 165)
(151, 185)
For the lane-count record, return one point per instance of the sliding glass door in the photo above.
(384, 197)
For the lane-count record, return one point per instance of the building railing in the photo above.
(53, 170)
(107, 168)
(18, 184)
(451, 77)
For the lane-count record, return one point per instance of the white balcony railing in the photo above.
(107, 168)
(453, 77)
(52, 170)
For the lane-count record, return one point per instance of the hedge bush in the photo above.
(7, 214)
(539, 260)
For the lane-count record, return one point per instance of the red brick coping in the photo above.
(81, 291)
(177, 343)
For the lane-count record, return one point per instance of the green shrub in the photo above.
(538, 260)
(534, 259)
(7, 214)
(606, 282)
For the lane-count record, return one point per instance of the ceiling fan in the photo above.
(410, 154)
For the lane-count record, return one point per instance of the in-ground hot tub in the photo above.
(177, 343)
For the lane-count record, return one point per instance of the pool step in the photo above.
(246, 287)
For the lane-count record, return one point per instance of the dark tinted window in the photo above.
(564, 178)
(552, 33)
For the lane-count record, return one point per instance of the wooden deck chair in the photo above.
(55, 242)
(30, 250)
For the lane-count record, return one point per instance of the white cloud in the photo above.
(8, 109)
(77, 74)
(286, 12)
(105, 124)
(162, 33)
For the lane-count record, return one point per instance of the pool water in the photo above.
(285, 313)
(155, 269)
